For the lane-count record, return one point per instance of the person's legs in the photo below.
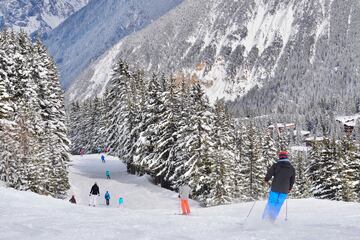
(107, 202)
(270, 206)
(92, 200)
(95, 200)
(187, 206)
(183, 206)
(278, 204)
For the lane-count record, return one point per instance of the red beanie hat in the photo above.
(283, 155)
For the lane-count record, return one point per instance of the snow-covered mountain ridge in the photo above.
(235, 46)
(231, 45)
(37, 16)
(93, 30)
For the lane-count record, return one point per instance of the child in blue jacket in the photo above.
(107, 198)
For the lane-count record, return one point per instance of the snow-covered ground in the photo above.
(150, 213)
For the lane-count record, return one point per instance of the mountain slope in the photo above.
(211, 39)
(151, 213)
(99, 26)
(239, 45)
(37, 17)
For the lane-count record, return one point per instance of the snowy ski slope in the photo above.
(151, 213)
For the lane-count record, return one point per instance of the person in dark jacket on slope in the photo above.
(283, 174)
(94, 193)
(72, 199)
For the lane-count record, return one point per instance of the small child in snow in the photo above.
(107, 198)
(72, 199)
(107, 173)
(121, 202)
(103, 158)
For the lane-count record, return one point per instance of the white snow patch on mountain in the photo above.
(264, 26)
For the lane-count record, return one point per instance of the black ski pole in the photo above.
(286, 210)
(251, 210)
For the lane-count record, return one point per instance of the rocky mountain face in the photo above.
(37, 17)
(100, 25)
(268, 56)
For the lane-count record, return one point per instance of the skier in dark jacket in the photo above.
(72, 199)
(94, 193)
(284, 178)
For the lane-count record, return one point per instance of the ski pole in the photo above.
(250, 210)
(286, 210)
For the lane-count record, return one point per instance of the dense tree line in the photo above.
(33, 135)
(169, 130)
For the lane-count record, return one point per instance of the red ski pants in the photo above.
(185, 206)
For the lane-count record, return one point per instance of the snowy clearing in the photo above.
(150, 213)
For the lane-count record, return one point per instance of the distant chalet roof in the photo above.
(282, 125)
(302, 133)
(299, 149)
(315, 139)
(348, 120)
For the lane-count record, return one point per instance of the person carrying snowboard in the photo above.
(107, 198)
(94, 193)
(103, 158)
(283, 174)
(72, 199)
(184, 193)
(107, 173)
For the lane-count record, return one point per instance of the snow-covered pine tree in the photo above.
(116, 102)
(222, 175)
(74, 125)
(198, 144)
(183, 123)
(136, 106)
(356, 167)
(28, 119)
(348, 168)
(254, 165)
(302, 184)
(96, 139)
(328, 183)
(164, 152)
(283, 140)
(240, 133)
(35, 114)
(145, 145)
(269, 151)
(7, 109)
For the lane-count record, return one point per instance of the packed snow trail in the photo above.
(149, 213)
(138, 192)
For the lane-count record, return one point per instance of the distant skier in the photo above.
(99, 150)
(103, 158)
(94, 193)
(107, 173)
(184, 193)
(72, 199)
(121, 202)
(107, 198)
(284, 179)
(82, 151)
